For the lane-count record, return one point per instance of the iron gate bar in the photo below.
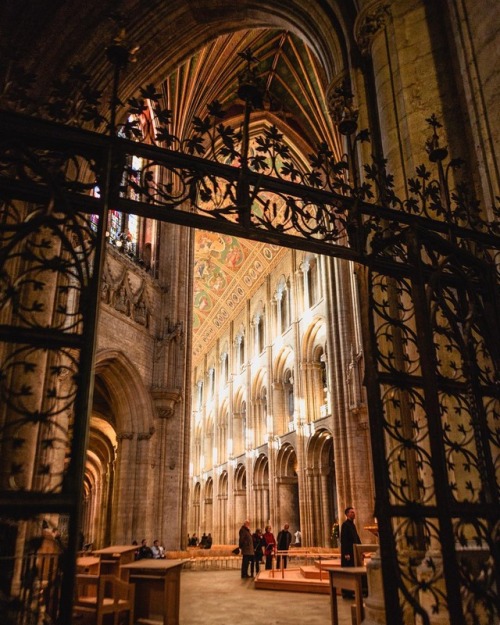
(433, 412)
(92, 144)
(110, 153)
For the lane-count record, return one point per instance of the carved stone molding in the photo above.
(117, 292)
(165, 401)
(340, 102)
(128, 436)
(145, 436)
(369, 22)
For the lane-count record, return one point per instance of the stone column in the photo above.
(406, 42)
(124, 528)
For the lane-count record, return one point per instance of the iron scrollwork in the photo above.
(435, 370)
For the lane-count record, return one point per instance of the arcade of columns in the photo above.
(305, 466)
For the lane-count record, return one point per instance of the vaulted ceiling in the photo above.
(227, 270)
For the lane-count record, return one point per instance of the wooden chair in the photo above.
(104, 594)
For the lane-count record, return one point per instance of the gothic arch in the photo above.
(122, 400)
(132, 406)
(99, 479)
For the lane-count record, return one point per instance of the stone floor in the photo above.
(220, 597)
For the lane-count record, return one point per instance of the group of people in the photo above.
(144, 551)
(205, 541)
(259, 546)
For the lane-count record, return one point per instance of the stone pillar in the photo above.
(124, 528)
(374, 603)
(407, 44)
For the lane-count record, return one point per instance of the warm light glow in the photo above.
(249, 437)
(307, 316)
(269, 424)
(229, 446)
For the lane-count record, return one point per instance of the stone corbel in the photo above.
(340, 102)
(165, 402)
(369, 22)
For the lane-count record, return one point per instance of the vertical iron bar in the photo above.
(388, 554)
(433, 411)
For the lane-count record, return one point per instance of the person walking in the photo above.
(270, 546)
(247, 550)
(348, 538)
(283, 542)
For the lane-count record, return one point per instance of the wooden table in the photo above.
(157, 590)
(347, 578)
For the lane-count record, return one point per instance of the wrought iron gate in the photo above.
(428, 268)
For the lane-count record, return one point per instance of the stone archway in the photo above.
(320, 475)
(287, 485)
(99, 483)
(126, 419)
(260, 489)
(240, 497)
(221, 530)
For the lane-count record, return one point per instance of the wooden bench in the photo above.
(104, 594)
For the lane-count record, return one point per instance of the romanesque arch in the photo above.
(240, 497)
(221, 530)
(260, 489)
(287, 488)
(321, 486)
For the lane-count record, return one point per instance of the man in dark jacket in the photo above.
(283, 543)
(348, 538)
(246, 546)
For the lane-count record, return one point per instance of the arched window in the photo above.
(200, 395)
(311, 281)
(240, 350)
(211, 383)
(259, 333)
(282, 306)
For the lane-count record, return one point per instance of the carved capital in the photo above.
(340, 102)
(369, 22)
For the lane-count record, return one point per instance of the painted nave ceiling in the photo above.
(227, 270)
(395, 362)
